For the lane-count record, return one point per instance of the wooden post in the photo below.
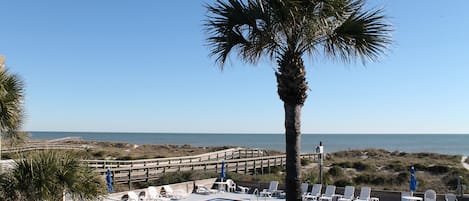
(147, 174)
(262, 166)
(245, 167)
(254, 170)
(268, 165)
(130, 178)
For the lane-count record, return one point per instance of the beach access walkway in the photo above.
(54, 144)
(463, 162)
(235, 160)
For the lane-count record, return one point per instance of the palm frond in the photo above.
(240, 26)
(364, 34)
(46, 175)
(11, 101)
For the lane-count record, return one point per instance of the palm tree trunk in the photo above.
(293, 141)
(292, 87)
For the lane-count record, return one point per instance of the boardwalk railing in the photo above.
(43, 146)
(47, 145)
(233, 153)
(146, 173)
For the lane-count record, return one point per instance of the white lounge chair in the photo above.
(154, 194)
(272, 189)
(304, 189)
(349, 194)
(330, 192)
(174, 194)
(314, 194)
(201, 189)
(405, 194)
(243, 189)
(142, 196)
(450, 197)
(230, 185)
(365, 194)
(429, 195)
(130, 196)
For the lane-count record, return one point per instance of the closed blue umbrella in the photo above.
(222, 173)
(413, 180)
(109, 180)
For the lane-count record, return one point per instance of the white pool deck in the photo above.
(221, 196)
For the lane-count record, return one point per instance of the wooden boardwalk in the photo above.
(239, 160)
(56, 144)
(148, 172)
(226, 154)
(42, 146)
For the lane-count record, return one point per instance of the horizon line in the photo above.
(261, 133)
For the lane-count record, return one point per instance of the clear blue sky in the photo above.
(124, 66)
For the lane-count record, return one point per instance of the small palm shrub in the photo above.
(47, 176)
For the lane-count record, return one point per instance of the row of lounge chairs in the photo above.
(329, 194)
(429, 195)
(153, 194)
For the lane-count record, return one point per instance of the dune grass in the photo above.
(390, 170)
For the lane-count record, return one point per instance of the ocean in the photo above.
(454, 144)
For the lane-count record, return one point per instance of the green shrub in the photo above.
(273, 170)
(403, 177)
(335, 171)
(451, 179)
(309, 177)
(46, 175)
(177, 177)
(363, 179)
(346, 164)
(360, 166)
(438, 169)
(99, 154)
(378, 180)
(343, 183)
(126, 158)
(418, 167)
(305, 162)
(396, 167)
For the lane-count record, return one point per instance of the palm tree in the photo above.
(287, 30)
(11, 105)
(48, 175)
